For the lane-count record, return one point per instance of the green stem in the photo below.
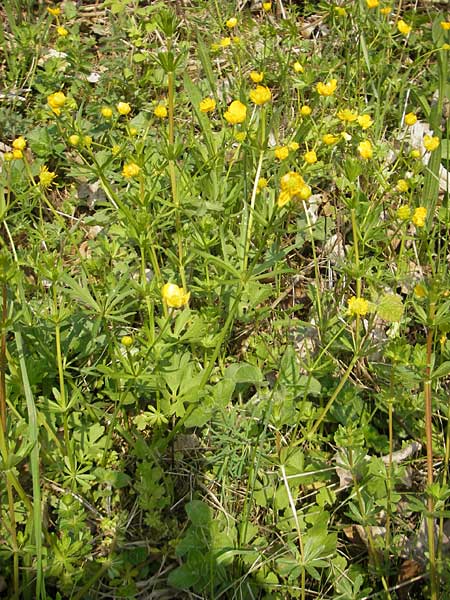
(429, 441)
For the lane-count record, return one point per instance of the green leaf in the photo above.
(243, 373)
(182, 578)
(442, 371)
(198, 513)
(390, 308)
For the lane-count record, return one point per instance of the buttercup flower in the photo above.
(386, 10)
(415, 153)
(445, 47)
(225, 42)
(262, 184)
(365, 149)
(62, 31)
(126, 341)
(46, 177)
(123, 108)
(431, 142)
(106, 112)
(130, 170)
(403, 212)
(256, 76)
(347, 115)
(410, 119)
(293, 146)
(55, 11)
(56, 101)
(207, 105)
(419, 216)
(372, 3)
(292, 186)
(74, 139)
(340, 11)
(365, 121)
(267, 6)
(17, 154)
(174, 296)
(420, 291)
(281, 152)
(240, 136)
(402, 185)
(326, 89)
(310, 157)
(160, 111)
(305, 110)
(8, 156)
(298, 67)
(231, 23)
(87, 140)
(236, 113)
(357, 306)
(19, 143)
(403, 27)
(260, 95)
(445, 25)
(330, 139)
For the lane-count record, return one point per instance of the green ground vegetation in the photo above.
(225, 300)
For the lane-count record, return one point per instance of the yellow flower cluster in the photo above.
(419, 216)
(293, 186)
(56, 101)
(130, 170)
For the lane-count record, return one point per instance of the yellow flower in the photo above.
(225, 42)
(123, 108)
(56, 101)
(240, 136)
(160, 111)
(340, 11)
(267, 6)
(8, 156)
(127, 341)
(174, 296)
(402, 185)
(231, 23)
(365, 121)
(347, 115)
(262, 184)
(410, 119)
(372, 3)
(357, 306)
(115, 149)
(19, 143)
(419, 216)
(54, 11)
(445, 47)
(305, 110)
(260, 95)
(132, 131)
(386, 10)
(46, 177)
(445, 25)
(87, 140)
(106, 112)
(415, 153)
(281, 152)
(74, 139)
(292, 186)
(330, 139)
(326, 89)
(236, 39)
(293, 146)
(62, 31)
(298, 67)
(403, 212)
(365, 149)
(17, 154)
(431, 143)
(207, 105)
(403, 27)
(310, 157)
(256, 76)
(236, 113)
(130, 170)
